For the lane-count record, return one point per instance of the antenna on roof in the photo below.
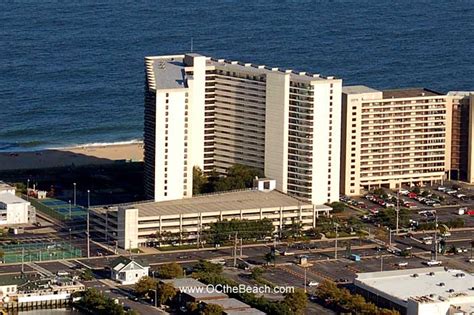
(192, 42)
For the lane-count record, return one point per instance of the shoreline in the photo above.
(89, 154)
(20, 149)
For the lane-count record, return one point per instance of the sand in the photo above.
(73, 156)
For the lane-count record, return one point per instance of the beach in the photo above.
(72, 156)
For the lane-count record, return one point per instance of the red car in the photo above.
(412, 195)
(470, 212)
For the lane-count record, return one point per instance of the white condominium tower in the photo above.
(214, 113)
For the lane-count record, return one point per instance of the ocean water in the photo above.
(71, 72)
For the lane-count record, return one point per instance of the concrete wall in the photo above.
(276, 129)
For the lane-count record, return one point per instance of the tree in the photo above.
(207, 267)
(199, 181)
(165, 292)
(337, 206)
(145, 285)
(87, 275)
(212, 309)
(297, 301)
(256, 273)
(170, 271)
(270, 257)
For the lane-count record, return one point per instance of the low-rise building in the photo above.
(13, 209)
(32, 289)
(135, 225)
(5, 188)
(193, 291)
(422, 291)
(128, 271)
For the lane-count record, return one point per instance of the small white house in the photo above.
(127, 271)
(13, 210)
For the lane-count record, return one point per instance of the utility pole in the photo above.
(235, 250)
(436, 237)
(398, 208)
(335, 245)
(74, 193)
(389, 237)
(88, 232)
(130, 248)
(381, 261)
(23, 260)
(305, 279)
(27, 187)
(240, 247)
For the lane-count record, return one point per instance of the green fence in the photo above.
(31, 252)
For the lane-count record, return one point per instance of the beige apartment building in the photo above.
(393, 137)
(214, 113)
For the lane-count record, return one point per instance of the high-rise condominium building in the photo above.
(393, 137)
(462, 134)
(214, 113)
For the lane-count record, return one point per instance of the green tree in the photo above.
(337, 206)
(144, 286)
(204, 266)
(212, 309)
(256, 273)
(297, 301)
(199, 181)
(165, 293)
(87, 275)
(170, 271)
(270, 257)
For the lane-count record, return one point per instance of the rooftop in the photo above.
(5, 186)
(358, 89)
(249, 311)
(180, 283)
(122, 261)
(169, 73)
(402, 284)
(410, 92)
(230, 304)
(237, 200)
(11, 199)
(460, 93)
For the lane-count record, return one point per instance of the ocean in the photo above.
(71, 72)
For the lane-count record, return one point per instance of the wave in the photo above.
(101, 144)
(34, 146)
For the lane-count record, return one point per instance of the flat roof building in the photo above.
(423, 291)
(13, 209)
(215, 113)
(134, 225)
(393, 137)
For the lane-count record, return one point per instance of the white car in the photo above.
(404, 192)
(402, 264)
(313, 284)
(433, 263)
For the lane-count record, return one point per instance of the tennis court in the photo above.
(38, 251)
(60, 209)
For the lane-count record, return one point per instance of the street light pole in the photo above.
(305, 279)
(74, 193)
(436, 237)
(27, 187)
(398, 209)
(335, 245)
(70, 210)
(88, 236)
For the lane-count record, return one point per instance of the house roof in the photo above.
(121, 262)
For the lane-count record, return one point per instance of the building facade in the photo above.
(393, 137)
(419, 291)
(462, 134)
(183, 221)
(14, 210)
(215, 113)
